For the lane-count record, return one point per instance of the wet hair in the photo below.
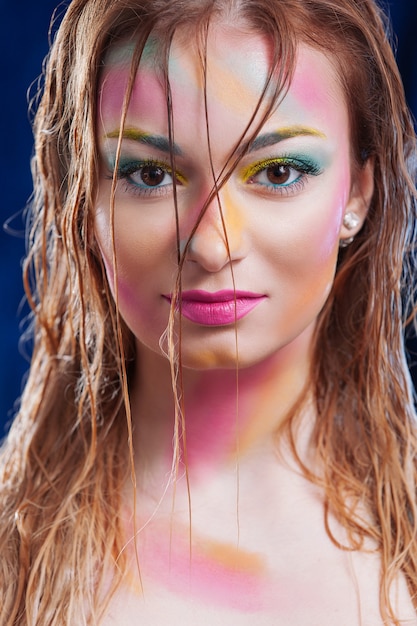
(63, 463)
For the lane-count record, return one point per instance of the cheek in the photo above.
(319, 231)
(139, 252)
(308, 247)
(320, 250)
(320, 243)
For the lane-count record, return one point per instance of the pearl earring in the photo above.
(350, 220)
(344, 243)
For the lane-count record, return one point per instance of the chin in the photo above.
(222, 358)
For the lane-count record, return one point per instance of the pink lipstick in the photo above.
(218, 308)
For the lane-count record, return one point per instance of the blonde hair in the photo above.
(62, 465)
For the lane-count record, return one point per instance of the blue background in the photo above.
(23, 44)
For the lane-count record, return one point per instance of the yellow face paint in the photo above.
(233, 558)
(234, 218)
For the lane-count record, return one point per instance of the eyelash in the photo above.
(126, 170)
(305, 167)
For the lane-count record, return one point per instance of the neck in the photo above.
(228, 414)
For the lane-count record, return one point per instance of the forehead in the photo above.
(238, 63)
(229, 64)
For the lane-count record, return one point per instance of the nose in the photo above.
(221, 236)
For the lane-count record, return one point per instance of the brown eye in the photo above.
(278, 174)
(147, 178)
(283, 175)
(152, 175)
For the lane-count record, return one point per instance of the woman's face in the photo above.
(282, 207)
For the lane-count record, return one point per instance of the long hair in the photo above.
(63, 463)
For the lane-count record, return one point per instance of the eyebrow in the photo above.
(270, 139)
(156, 141)
(262, 141)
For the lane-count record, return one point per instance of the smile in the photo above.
(219, 308)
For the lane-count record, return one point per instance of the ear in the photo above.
(356, 209)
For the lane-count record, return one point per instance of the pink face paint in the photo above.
(214, 573)
(219, 575)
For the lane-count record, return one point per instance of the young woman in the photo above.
(218, 425)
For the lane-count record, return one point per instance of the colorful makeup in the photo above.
(289, 255)
(217, 309)
(147, 177)
(155, 141)
(123, 53)
(283, 261)
(269, 139)
(214, 572)
(279, 174)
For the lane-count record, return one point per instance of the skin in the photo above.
(256, 544)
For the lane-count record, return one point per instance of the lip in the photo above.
(219, 308)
